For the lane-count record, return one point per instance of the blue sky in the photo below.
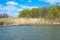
(12, 7)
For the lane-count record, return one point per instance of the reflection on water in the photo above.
(30, 33)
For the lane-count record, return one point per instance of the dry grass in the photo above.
(29, 21)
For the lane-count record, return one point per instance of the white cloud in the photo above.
(12, 3)
(29, 1)
(29, 7)
(1, 6)
(11, 9)
(20, 9)
(51, 1)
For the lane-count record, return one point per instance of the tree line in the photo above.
(4, 15)
(51, 12)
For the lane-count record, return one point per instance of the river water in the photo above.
(50, 32)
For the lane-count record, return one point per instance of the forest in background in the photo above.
(51, 12)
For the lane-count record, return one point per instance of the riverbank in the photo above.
(27, 21)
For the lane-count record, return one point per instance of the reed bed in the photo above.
(27, 21)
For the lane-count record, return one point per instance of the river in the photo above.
(46, 32)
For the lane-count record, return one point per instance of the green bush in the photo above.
(1, 23)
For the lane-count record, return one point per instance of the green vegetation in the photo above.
(1, 23)
(51, 12)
